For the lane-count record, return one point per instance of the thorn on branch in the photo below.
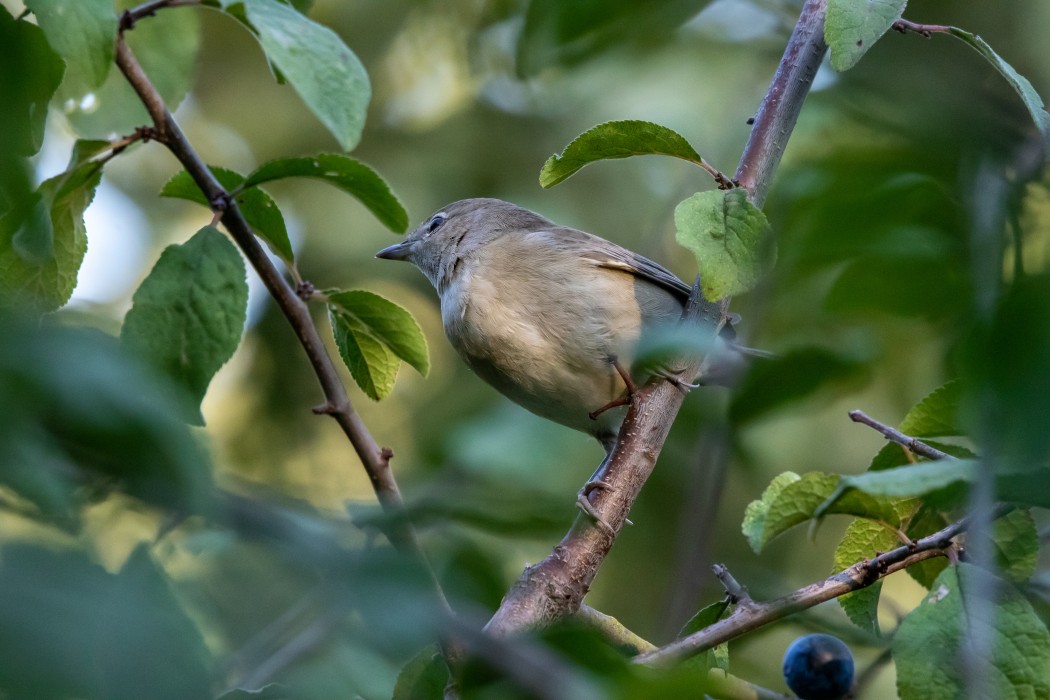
(325, 409)
(385, 455)
(737, 593)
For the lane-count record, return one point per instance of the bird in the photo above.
(549, 315)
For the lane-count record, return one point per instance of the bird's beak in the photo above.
(398, 251)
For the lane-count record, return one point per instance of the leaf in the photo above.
(69, 628)
(790, 500)
(26, 90)
(322, 69)
(1032, 101)
(351, 176)
(558, 32)
(259, 209)
(863, 540)
(936, 415)
(927, 646)
(1016, 544)
(913, 480)
(373, 334)
(424, 677)
(619, 139)
(852, 27)
(40, 255)
(924, 523)
(705, 617)
(187, 316)
(167, 47)
(83, 33)
(730, 237)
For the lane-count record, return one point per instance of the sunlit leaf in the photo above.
(729, 236)
(187, 316)
(84, 33)
(864, 539)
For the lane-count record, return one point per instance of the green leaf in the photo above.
(1016, 544)
(351, 176)
(791, 499)
(84, 34)
(1032, 100)
(935, 415)
(863, 540)
(927, 646)
(166, 45)
(620, 139)
(558, 32)
(424, 677)
(41, 251)
(259, 209)
(373, 334)
(322, 69)
(925, 522)
(730, 237)
(69, 628)
(26, 90)
(852, 27)
(707, 616)
(913, 480)
(187, 316)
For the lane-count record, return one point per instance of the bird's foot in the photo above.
(677, 381)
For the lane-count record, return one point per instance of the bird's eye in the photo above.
(435, 222)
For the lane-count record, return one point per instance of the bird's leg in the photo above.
(583, 501)
(676, 380)
(628, 394)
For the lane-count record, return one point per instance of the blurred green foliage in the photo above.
(143, 558)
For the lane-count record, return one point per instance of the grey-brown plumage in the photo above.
(538, 310)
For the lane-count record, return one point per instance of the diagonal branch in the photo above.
(555, 587)
(746, 618)
(376, 461)
(914, 444)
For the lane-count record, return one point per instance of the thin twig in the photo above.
(860, 575)
(894, 435)
(294, 309)
(148, 9)
(927, 30)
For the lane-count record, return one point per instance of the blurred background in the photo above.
(874, 289)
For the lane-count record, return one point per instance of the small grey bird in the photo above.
(548, 315)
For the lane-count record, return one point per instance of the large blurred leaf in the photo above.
(778, 381)
(187, 316)
(621, 139)
(258, 208)
(27, 83)
(350, 175)
(567, 32)
(851, 27)
(40, 255)
(166, 45)
(730, 237)
(322, 69)
(84, 33)
(68, 629)
(928, 644)
(78, 410)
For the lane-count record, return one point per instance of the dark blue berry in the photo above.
(819, 667)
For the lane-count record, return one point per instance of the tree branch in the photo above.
(294, 309)
(894, 435)
(860, 575)
(555, 587)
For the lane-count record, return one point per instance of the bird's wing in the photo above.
(607, 254)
